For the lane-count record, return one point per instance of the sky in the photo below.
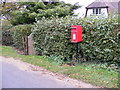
(82, 3)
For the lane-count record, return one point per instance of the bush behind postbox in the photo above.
(52, 37)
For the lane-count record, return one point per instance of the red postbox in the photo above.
(76, 33)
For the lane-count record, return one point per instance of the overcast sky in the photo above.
(83, 3)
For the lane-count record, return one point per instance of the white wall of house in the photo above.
(103, 12)
(84, 3)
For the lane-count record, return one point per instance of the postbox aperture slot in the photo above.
(73, 28)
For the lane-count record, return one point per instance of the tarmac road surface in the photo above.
(13, 77)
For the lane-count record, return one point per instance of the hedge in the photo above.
(100, 43)
(6, 37)
(19, 33)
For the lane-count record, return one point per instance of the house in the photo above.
(105, 7)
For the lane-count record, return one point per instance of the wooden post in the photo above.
(31, 50)
(26, 45)
(23, 42)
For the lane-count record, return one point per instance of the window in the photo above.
(97, 11)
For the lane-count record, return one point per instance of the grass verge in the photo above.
(86, 73)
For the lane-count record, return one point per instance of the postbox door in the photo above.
(76, 33)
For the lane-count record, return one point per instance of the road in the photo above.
(0, 75)
(18, 74)
(13, 77)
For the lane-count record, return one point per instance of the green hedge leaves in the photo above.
(52, 37)
(19, 33)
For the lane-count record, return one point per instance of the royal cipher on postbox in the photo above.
(76, 33)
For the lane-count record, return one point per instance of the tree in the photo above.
(7, 8)
(26, 12)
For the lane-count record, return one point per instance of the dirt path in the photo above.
(43, 72)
